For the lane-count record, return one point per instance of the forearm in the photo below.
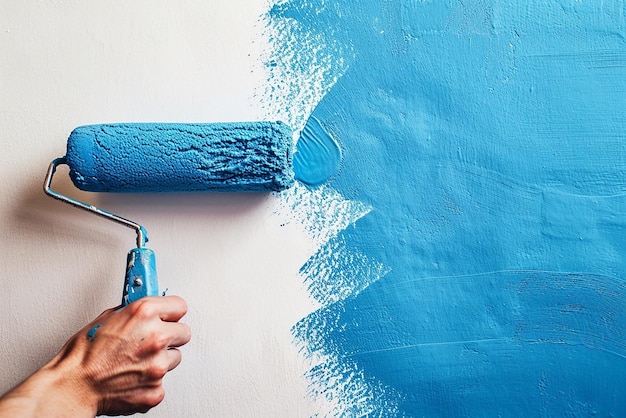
(53, 391)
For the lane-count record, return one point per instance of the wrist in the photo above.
(53, 391)
(63, 381)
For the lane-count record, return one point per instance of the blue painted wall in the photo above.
(489, 138)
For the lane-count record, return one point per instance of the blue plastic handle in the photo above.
(141, 275)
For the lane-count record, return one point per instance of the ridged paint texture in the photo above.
(472, 250)
(317, 156)
(162, 157)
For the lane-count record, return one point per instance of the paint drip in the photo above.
(317, 156)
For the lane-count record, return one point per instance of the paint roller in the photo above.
(157, 157)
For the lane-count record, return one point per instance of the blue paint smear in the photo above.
(490, 139)
(318, 156)
(91, 334)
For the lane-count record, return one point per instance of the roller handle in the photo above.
(141, 276)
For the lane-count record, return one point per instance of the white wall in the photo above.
(66, 63)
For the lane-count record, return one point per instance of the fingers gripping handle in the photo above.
(141, 276)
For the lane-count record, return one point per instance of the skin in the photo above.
(119, 370)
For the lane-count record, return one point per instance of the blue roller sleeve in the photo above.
(174, 157)
(141, 275)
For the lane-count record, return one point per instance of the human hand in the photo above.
(126, 357)
(113, 366)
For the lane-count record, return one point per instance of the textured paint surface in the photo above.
(317, 154)
(471, 249)
(243, 156)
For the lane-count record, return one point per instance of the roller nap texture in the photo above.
(170, 157)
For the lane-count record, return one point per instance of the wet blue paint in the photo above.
(489, 138)
(317, 156)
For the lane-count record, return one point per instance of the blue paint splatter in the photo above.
(490, 140)
(91, 334)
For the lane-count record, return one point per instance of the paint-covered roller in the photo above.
(169, 157)
(152, 157)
